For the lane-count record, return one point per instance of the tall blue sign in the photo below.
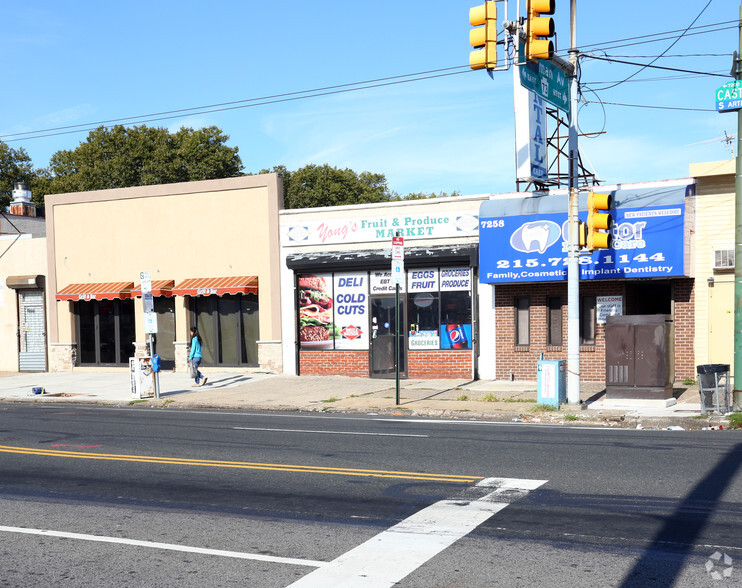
(648, 243)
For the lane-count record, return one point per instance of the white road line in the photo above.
(168, 546)
(393, 554)
(326, 432)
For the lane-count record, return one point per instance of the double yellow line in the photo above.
(243, 465)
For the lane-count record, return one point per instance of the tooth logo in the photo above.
(535, 236)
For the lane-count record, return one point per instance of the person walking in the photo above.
(196, 356)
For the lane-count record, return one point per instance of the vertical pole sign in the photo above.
(398, 278)
(150, 320)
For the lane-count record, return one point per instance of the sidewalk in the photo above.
(254, 390)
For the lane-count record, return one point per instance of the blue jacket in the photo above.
(195, 348)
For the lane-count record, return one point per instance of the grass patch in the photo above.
(462, 398)
(331, 399)
(571, 417)
(133, 402)
(688, 381)
(493, 398)
(544, 408)
(360, 395)
(735, 420)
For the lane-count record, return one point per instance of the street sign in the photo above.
(729, 97)
(150, 322)
(146, 281)
(397, 247)
(148, 301)
(398, 272)
(545, 79)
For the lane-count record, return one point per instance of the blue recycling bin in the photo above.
(552, 382)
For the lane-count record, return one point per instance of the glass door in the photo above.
(382, 337)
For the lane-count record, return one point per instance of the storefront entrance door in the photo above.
(32, 356)
(382, 338)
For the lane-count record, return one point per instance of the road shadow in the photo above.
(683, 527)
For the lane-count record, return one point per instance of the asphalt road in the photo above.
(97, 496)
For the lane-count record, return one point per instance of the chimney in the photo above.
(21, 204)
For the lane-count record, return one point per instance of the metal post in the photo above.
(396, 338)
(573, 268)
(737, 393)
(151, 358)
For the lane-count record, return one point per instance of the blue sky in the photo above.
(80, 62)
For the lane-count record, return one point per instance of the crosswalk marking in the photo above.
(395, 553)
(166, 546)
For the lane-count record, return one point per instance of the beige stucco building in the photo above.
(211, 250)
(714, 261)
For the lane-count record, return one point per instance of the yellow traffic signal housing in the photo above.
(483, 38)
(599, 222)
(581, 234)
(538, 26)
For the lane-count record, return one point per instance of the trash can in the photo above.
(713, 386)
(552, 382)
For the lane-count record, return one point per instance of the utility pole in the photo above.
(737, 394)
(573, 268)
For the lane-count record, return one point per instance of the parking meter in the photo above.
(155, 363)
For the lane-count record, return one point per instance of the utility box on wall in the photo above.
(639, 357)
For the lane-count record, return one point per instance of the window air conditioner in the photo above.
(723, 259)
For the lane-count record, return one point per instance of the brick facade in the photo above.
(334, 363)
(421, 364)
(520, 362)
(440, 364)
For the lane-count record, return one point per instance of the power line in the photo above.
(649, 106)
(663, 36)
(650, 66)
(666, 50)
(330, 90)
(246, 103)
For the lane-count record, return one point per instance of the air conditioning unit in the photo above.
(723, 259)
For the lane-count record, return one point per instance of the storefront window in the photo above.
(105, 331)
(250, 329)
(522, 321)
(333, 308)
(228, 325)
(587, 320)
(554, 321)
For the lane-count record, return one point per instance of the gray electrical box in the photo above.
(639, 357)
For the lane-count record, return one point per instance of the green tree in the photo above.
(121, 157)
(322, 185)
(425, 195)
(15, 165)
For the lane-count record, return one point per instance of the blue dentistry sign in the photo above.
(648, 233)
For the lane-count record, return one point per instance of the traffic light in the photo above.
(581, 234)
(483, 38)
(599, 222)
(538, 26)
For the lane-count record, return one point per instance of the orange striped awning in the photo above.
(159, 288)
(218, 286)
(96, 291)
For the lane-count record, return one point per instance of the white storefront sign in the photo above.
(608, 306)
(381, 228)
